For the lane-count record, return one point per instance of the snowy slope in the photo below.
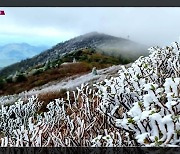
(68, 83)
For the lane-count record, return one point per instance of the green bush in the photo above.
(21, 78)
(2, 84)
(9, 79)
(38, 71)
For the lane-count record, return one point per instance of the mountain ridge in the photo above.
(106, 43)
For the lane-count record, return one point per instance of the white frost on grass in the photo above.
(69, 83)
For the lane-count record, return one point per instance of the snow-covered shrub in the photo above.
(145, 98)
(16, 116)
(69, 122)
(112, 138)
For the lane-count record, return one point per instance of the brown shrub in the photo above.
(50, 96)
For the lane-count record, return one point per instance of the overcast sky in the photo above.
(48, 26)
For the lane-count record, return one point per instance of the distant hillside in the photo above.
(15, 52)
(74, 63)
(106, 44)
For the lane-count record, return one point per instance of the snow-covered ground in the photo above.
(68, 83)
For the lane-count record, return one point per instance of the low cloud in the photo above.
(150, 26)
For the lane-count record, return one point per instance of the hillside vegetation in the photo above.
(86, 59)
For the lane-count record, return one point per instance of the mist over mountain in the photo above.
(15, 52)
(104, 43)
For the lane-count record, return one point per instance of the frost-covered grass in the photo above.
(140, 107)
(70, 83)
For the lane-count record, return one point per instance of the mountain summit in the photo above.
(105, 43)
